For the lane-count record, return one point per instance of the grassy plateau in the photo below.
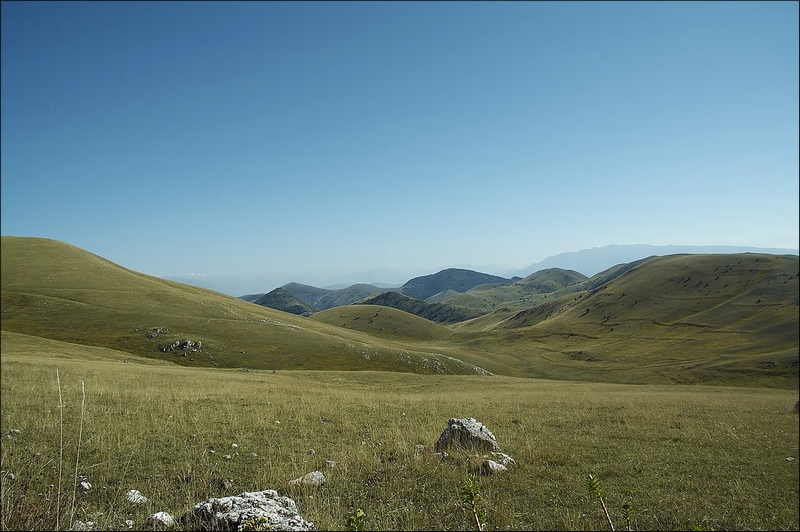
(683, 410)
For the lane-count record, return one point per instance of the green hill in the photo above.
(682, 318)
(551, 280)
(450, 279)
(436, 312)
(384, 322)
(524, 293)
(59, 292)
(281, 299)
(323, 298)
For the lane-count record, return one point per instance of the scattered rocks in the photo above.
(467, 434)
(315, 479)
(496, 463)
(160, 521)
(81, 526)
(135, 497)
(231, 513)
(490, 467)
(184, 346)
(470, 434)
(503, 458)
(13, 432)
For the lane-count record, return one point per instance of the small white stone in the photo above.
(135, 497)
(162, 519)
(490, 467)
(85, 485)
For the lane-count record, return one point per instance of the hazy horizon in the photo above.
(298, 140)
(240, 285)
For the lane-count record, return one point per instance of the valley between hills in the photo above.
(722, 319)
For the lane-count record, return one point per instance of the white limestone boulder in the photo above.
(232, 513)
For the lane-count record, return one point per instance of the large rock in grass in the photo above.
(265, 509)
(466, 434)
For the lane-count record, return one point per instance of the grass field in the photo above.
(673, 384)
(682, 456)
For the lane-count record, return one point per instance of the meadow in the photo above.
(683, 457)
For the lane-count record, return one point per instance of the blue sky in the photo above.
(307, 140)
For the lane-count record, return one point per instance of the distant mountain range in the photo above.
(587, 261)
(445, 287)
(595, 260)
(305, 298)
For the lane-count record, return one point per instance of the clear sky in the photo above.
(310, 140)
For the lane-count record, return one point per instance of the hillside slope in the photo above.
(283, 300)
(60, 292)
(524, 293)
(687, 318)
(436, 312)
(324, 298)
(715, 319)
(384, 322)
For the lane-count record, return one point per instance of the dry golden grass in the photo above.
(682, 456)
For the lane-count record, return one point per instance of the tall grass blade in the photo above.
(78, 454)
(60, 448)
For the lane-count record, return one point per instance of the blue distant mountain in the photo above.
(595, 260)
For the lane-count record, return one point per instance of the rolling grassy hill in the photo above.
(437, 312)
(323, 298)
(56, 291)
(384, 322)
(456, 279)
(525, 293)
(721, 319)
(280, 299)
(682, 318)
